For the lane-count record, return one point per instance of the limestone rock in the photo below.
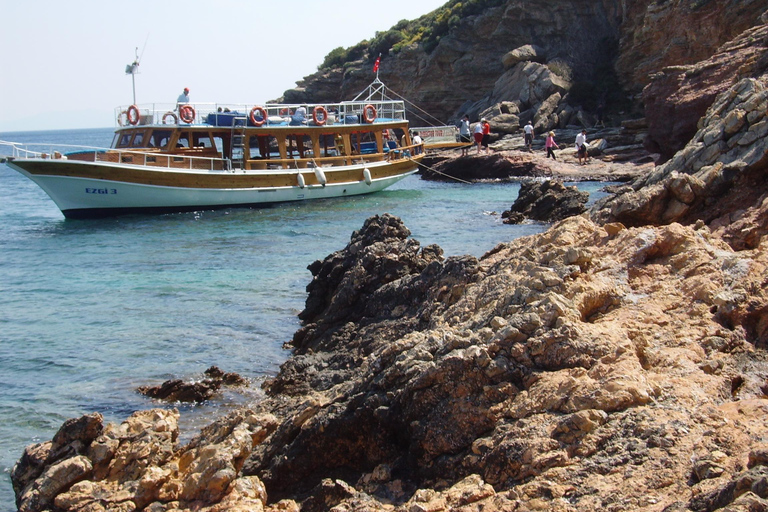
(528, 52)
(677, 97)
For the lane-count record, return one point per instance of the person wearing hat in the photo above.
(183, 97)
(550, 144)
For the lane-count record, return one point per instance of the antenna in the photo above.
(132, 69)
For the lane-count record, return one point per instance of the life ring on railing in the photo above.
(369, 113)
(132, 114)
(319, 115)
(174, 119)
(187, 113)
(284, 111)
(254, 119)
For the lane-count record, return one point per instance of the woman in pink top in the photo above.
(550, 144)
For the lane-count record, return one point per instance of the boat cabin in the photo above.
(270, 137)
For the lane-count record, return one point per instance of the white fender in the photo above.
(302, 183)
(320, 176)
(367, 176)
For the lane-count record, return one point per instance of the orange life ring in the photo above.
(133, 115)
(254, 120)
(284, 111)
(187, 113)
(170, 114)
(319, 115)
(369, 113)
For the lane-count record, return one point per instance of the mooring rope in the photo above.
(438, 172)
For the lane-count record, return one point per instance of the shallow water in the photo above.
(92, 309)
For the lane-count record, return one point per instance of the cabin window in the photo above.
(219, 143)
(202, 140)
(328, 145)
(183, 140)
(138, 140)
(263, 146)
(125, 140)
(363, 143)
(298, 145)
(159, 138)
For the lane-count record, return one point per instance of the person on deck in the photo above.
(418, 144)
(183, 98)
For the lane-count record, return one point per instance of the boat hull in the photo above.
(93, 190)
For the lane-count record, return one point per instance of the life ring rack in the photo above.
(172, 115)
(132, 115)
(187, 113)
(319, 115)
(369, 113)
(254, 119)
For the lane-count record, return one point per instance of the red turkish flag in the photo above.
(376, 64)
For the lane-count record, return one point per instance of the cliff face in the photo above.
(615, 362)
(466, 64)
(665, 33)
(602, 45)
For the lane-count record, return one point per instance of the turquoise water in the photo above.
(92, 309)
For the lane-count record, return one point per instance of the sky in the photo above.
(64, 61)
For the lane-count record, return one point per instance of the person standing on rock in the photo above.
(528, 130)
(478, 133)
(464, 136)
(486, 135)
(581, 147)
(550, 145)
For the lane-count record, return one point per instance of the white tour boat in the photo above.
(169, 158)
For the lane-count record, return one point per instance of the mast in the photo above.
(132, 69)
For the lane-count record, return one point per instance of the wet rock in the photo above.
(176, 390)
(547, 201)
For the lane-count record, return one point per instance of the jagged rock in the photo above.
(475, 168)
(657, 35)
(176, 390)
(528, 52)
(139, 466)
(548, 201)
(716, 178)
(677, 97)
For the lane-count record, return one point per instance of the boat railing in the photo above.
(14, 150)
(277, 114)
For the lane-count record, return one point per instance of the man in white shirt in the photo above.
(528, 129)
(464, 136)
(417, 143)
(183, 97)
(581, 146)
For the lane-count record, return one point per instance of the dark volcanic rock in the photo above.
(548, 201)
(197, 391)
(483, 167)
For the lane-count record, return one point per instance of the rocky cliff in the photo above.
(526, 53)
(615, 362)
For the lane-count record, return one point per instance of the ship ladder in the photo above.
(237, 149)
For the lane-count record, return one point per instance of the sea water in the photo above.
(92, 309)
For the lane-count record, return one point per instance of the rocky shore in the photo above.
(615, 362)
